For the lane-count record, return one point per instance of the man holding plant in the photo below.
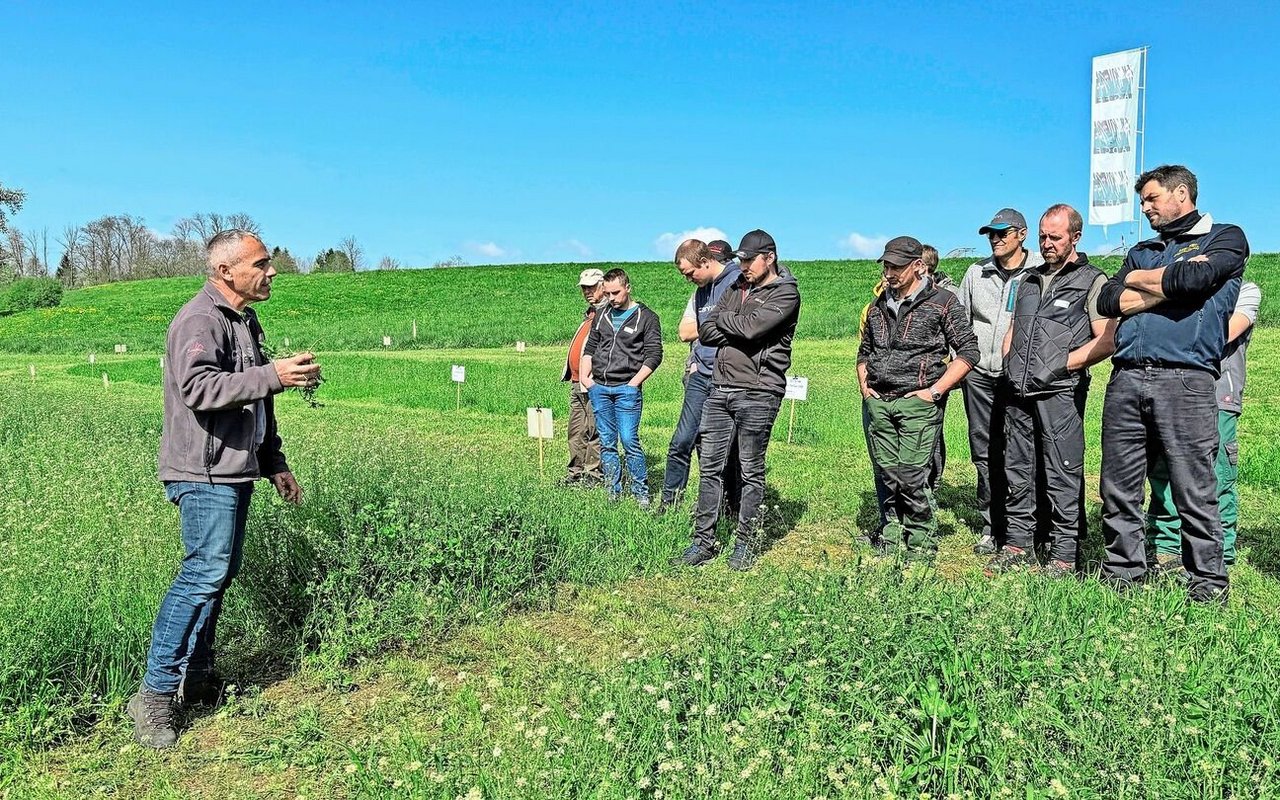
(219, 436)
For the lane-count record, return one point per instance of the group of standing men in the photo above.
(1019, 337)
(739, 323)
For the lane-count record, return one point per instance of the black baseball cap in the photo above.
(721, 249)
(755, 243)
(1005, 218)
(901, 250)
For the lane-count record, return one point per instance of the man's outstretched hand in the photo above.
(287, 486)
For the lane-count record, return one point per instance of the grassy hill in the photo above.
(461, 307)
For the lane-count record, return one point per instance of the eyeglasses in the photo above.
(1004, 234)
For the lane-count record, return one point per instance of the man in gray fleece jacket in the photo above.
(987, 291)
(219, 437)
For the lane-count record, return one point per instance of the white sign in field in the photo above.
(1113, 150)
(519, 347)
(540, 424)
(797, 388)
(458, 373)
(386, 341)
(122, 348)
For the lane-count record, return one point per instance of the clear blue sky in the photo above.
(588, 131)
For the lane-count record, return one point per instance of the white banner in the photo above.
(1113, 151)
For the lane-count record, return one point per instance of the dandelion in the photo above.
(664, 705)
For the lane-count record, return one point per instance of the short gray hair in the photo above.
(218, 245)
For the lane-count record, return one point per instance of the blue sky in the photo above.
(599, 131)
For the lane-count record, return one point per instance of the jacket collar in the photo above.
(784, 277)
(1199, 229)
(218, 301)
(1029, 260)
(927, 290)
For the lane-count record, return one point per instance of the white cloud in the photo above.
(864, 246)
(488, 249)
(667, 243)
(579, 248)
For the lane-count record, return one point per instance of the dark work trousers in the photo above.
(584, 442)
(1148, 411)
(697, 387)
(939, 463)
(1044, 457)
(744, 417)
(877, 476)
(984, 407)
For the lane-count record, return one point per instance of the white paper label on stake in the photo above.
(540, 424)
(162, 362)
(519, 347)
(92, 360)
(797, 388)
(33, 371)
(459, 373)
(106, 382)
(286, 342)
(415, 329)
(386, 341)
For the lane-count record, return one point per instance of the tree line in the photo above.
(121, 247)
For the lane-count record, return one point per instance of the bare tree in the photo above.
(68, 267)
(354, 253)
(388, 262)
(10, 199)
(37, 247)
(202, 226)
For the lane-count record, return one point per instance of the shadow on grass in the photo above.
(1263, 544)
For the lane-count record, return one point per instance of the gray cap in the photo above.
(1004, 218)
(901, 251)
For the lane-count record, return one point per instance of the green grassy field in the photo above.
(441, 620)
(475, 307)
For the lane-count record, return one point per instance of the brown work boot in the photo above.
(153, 722)
(1010, 559)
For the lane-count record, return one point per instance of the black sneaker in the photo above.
(743, 557)
(153, 723)
(694, 556)
(1209, 597)
(1118, 584)
(644, 502)
(1010, 559)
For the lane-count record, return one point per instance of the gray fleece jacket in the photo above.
(988, 294)
(215, 374)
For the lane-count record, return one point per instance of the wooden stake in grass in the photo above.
(92, 359)
(33, 373)
(415, 329)
(106, 382)
(458, 373)
(542, 429)
(797, 389)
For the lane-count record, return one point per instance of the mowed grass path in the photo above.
(441, 621)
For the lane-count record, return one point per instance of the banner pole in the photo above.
(541, 446)
(792, 422)
(458, 404)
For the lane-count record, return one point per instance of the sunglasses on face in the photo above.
(1004, 234)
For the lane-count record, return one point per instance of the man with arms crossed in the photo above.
(987, 291)
(584, 442)
(1175, 295)
(219, 436)
(623, 349)
(752, 325)
(1055, 336)
(903, 372)
(699, 265)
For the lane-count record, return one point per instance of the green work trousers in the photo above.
(902, 438)
(1164, 527)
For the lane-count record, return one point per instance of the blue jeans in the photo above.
(213, 517)
(697, 387)
(617, 410)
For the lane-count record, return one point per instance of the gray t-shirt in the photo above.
(1231, 377)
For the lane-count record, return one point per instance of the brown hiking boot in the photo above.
(1057, 568)
(1169, 565)
(153, 723)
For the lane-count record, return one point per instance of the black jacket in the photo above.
(753, 329)
(908, 352)
(1047, 326)
(617, 355)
